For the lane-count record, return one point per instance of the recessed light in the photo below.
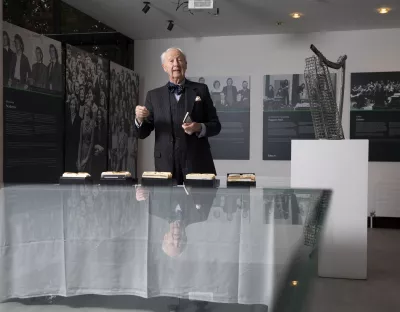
(296, 15)
(384, 10)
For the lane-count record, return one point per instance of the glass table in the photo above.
(249, 247)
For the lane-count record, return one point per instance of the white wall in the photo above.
(371, 50)
(1, 99)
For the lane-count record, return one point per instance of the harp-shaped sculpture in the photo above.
(325, 112)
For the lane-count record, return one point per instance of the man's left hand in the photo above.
(192, 127)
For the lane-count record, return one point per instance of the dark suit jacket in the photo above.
(234, 92)
(39, 75)
(54, 77)
(198, 152)
(7, 60)
(25, 68)
(163, 202)
(72, 142)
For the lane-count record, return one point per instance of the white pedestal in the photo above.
(341, 166)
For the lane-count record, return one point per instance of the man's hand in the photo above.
(192, 127)
(141, 113)
(142, 194)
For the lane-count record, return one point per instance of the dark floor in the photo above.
(381, 292)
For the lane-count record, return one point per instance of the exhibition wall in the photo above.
(1, 105)
(47, 133)
(260, 55)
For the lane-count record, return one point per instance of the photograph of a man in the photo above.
(180, 147)
(20, 69)
(39, 70)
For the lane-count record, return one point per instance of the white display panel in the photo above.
(341, 166)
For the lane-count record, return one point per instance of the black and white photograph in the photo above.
(287, 92)
(286, 114)
(123, 145)
(87, 90)
(371, 91)
(375, 113)
(288, 208)
(228, 93)
(229, 207)
(31, 61)
(231, 98)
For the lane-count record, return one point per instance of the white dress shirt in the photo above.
(17, 74)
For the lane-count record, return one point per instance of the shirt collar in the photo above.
(180, 84)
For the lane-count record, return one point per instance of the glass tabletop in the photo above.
(247, 246)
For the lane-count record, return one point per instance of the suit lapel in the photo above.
(190, 96)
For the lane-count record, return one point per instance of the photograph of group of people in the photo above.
(371, 91)
(227, 207)
(124, 98)
(90, 212)
(87, 92)
(287, 92)
(228, 92)
(285, 207)
(31, 61)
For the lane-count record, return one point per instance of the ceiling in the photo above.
(240, 17)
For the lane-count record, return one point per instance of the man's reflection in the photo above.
(175, 239)
(180, 208)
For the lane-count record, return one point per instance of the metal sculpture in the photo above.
(326, 114)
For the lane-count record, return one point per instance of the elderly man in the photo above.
(180, 147)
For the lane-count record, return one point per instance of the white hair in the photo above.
(169, 49)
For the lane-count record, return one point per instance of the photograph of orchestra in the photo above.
(287, 92)
(371, 91)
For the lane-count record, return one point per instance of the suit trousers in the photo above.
(179, 161)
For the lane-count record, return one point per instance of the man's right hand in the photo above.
(141, 113)
(142, 194)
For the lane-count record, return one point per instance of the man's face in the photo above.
(72, 106)
(175, 239)
(175, 64)
(82, 94)
(245, 85)
(38, 56)
(52, 53)
(18, 45)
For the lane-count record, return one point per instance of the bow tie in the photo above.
(173, 88)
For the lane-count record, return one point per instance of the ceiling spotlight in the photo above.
(384, 10)
(296, 15)
(170, 25)
(146, 7)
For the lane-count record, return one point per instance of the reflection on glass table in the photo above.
(252, 247)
